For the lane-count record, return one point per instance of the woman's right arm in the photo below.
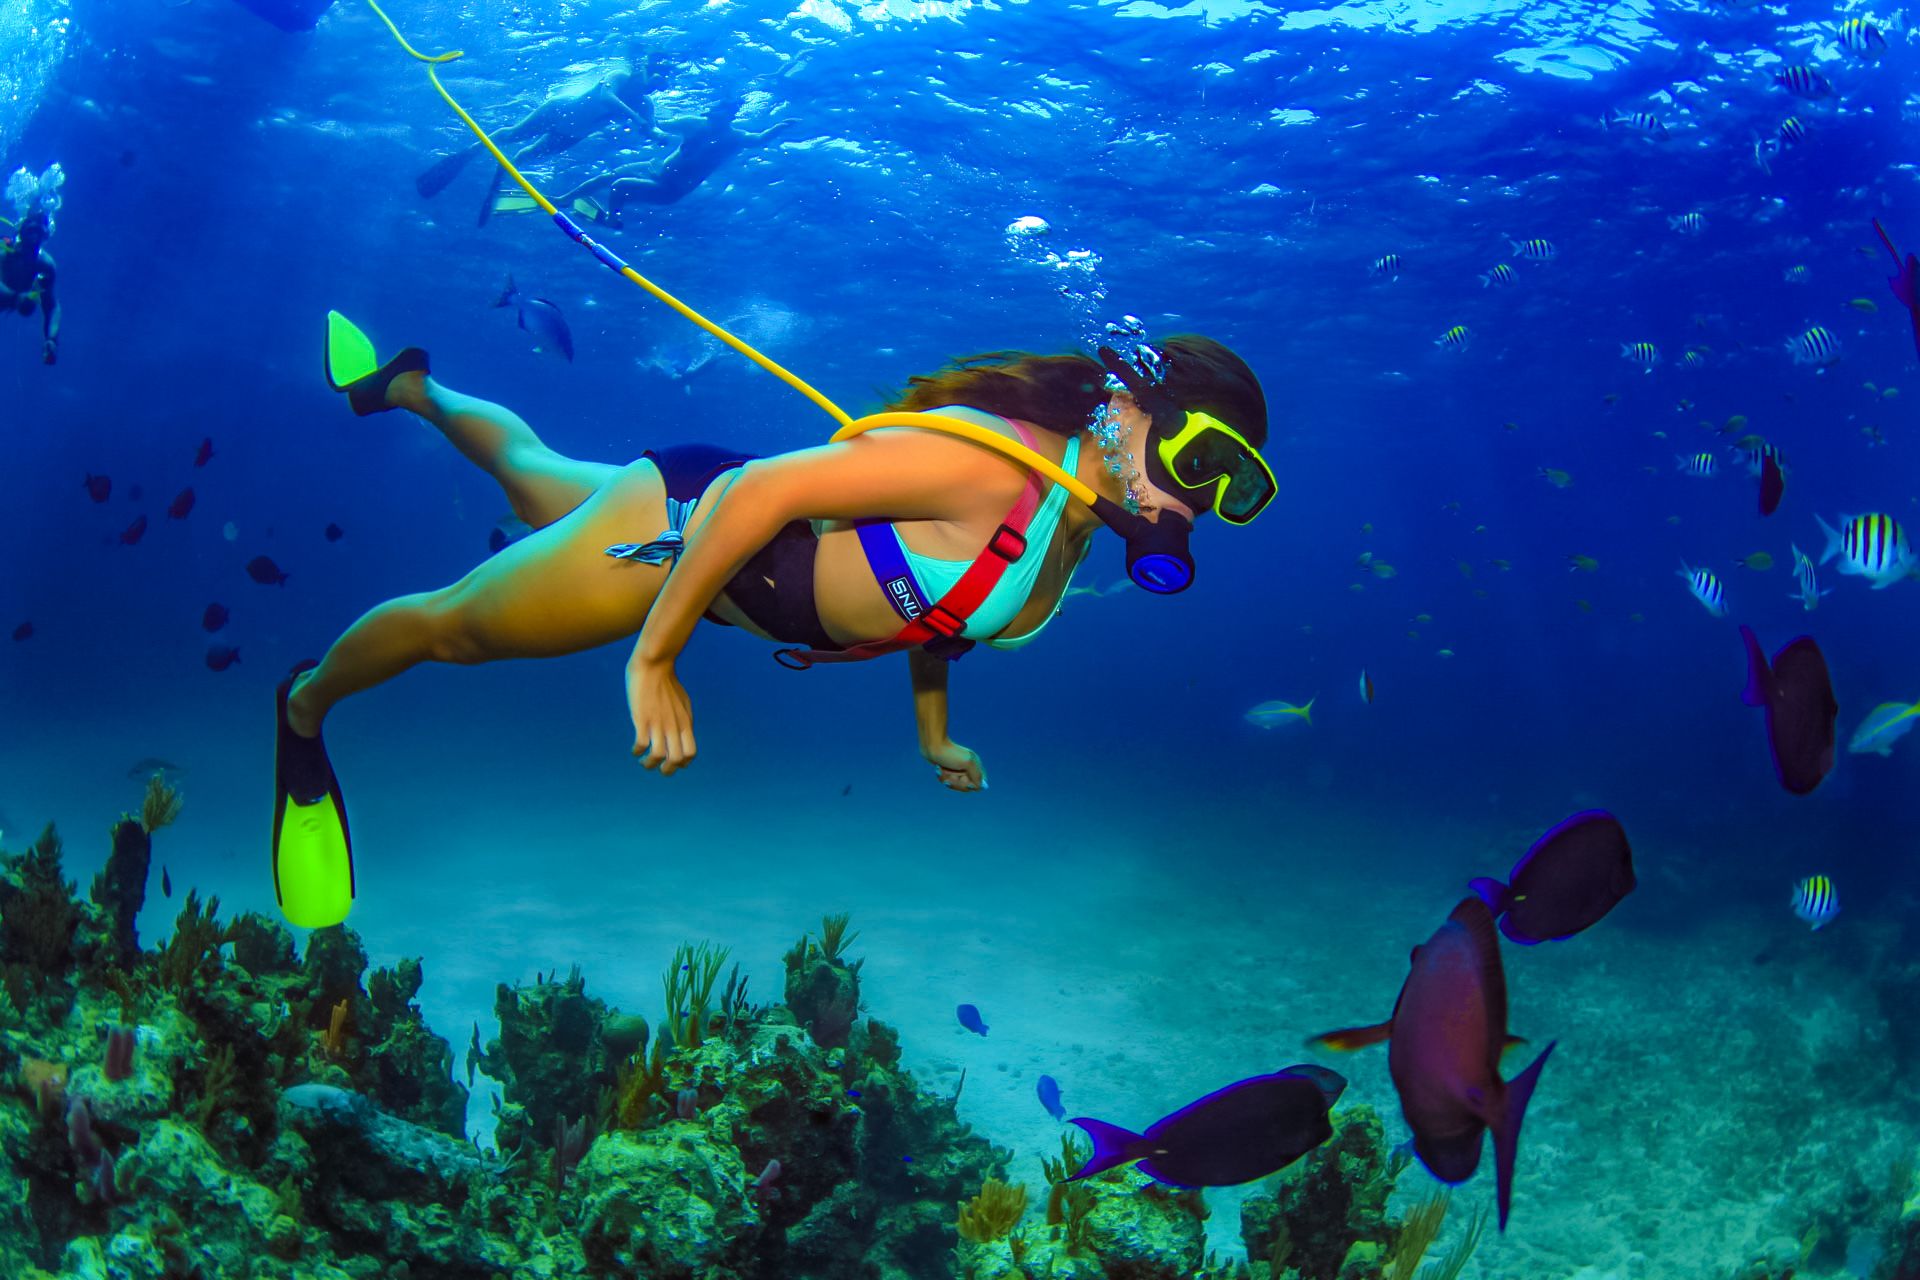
(900, 474)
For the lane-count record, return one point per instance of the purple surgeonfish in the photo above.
(1798, 696)
(1447, 1032)
(1773, 483)
(1247, 1130)
(1571, 877)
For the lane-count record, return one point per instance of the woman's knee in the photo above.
(454, 630)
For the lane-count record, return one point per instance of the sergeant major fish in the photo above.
(1809, 593)
(1872, 546)
(1706, 589)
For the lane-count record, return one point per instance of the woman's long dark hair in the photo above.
(1060, 393)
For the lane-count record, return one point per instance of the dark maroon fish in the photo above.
(1905, 281)
(1773, 483)
(214, 618)
(181, 504)
(1798, 696)
(99, 488)
(1568, 881)
(221, 656)
(265, 572)
(335, 533)
(1447, 1032)
(134, 532)
(1245, 1131)
(204, 453)
(23, 632)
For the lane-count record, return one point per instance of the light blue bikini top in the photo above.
(1009, 596)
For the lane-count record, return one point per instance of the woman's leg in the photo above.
(554, 592)
(541, 485)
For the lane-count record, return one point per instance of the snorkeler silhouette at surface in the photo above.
(568, 117)
(26, 280)
(701, 150)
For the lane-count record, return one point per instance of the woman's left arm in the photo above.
(959, 768)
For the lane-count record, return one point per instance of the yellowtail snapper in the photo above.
(1816, 901)
(1872, 546)
(1884, 725)
(1274, 713)
(1706, 589)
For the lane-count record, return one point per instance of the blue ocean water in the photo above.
(1233, 169)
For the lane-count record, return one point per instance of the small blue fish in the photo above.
(970, 1019)
(540, 318)
(1816, 901)
(1048, 1091)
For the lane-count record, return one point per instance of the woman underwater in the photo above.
(898, 538)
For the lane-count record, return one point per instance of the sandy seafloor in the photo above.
(1721, 1075)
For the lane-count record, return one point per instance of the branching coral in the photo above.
(216, 1081)
(640, 1081)
(37, 915)
(994, 1213)
(196, 939)
(1449, 1265)
(160, 806)
(1417, 1233)
(834, 937)
(688, 986)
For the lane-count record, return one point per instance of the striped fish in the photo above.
(1795, 275)
(1501, 274)
(1810, 592)
(1706, 589)
(1535, 250)
(1387, 264)
(1816, 901)
(1693, 360)
(1793, 131)
(1803, 81)
(1863, 38)
(1816, 346)
(1644, 354)
(1700, 464)
(1688, 224)
(1455, 339)
(1638, 121)
(1756, 452)
(1872, 546)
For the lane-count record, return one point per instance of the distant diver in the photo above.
(567, 118)
(701, 150)
(887, 541)
(27, 270)
(288, 15)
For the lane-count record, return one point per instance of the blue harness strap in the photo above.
(891, 570)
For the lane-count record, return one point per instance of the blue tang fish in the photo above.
(1048, 1091)
(1247, 1130)
(540, 318)
(1571, 877)
(970, 1019)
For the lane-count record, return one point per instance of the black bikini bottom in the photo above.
(775, 587)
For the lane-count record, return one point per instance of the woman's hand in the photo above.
(662, 716)
(958, 767)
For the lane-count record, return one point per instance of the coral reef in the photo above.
(822, 989)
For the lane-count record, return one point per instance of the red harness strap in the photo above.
(947, 618)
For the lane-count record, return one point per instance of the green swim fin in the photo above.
(353, 367)
(312, 849)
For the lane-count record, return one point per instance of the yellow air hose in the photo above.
(1011, 449)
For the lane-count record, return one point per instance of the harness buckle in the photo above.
(943, 622)
(1008, 543)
